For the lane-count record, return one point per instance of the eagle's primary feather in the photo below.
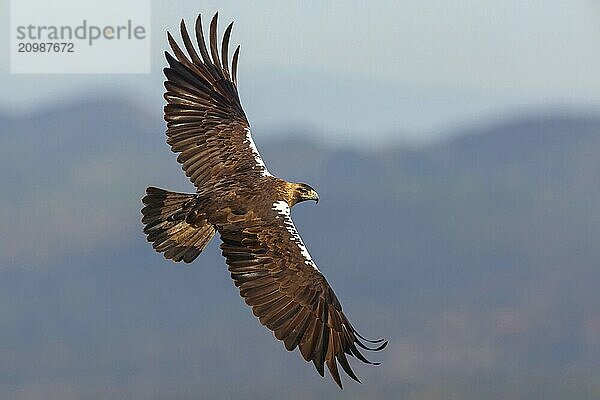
(237, 197)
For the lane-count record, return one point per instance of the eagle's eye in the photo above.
(305, 191)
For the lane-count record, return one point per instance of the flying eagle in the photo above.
(238, 197)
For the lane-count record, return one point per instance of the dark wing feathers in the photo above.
(206, 124)
(234, 64)
(287, 293)
(213, 41)
(225, 48)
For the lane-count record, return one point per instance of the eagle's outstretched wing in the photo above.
(277, 277)
(206, 124)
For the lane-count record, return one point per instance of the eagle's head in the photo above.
(302, 192)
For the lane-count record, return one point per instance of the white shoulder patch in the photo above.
(257, 157)
(283, 209)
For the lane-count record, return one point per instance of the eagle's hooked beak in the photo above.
(314, 196)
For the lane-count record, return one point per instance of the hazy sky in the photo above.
(412, 68)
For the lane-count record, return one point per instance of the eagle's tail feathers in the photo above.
(174, 224)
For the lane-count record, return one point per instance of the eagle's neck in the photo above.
(287, 192)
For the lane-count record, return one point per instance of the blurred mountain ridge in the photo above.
(477, 256)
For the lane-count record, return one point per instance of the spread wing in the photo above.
(206, 124)
(277, 277)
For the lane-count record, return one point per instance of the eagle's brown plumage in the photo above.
(249, 208)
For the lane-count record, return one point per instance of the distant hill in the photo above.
(476, 256)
